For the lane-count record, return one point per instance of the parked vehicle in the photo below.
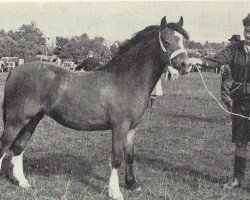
(69, 65)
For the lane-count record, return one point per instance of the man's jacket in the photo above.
(236, 57)
(239, 61)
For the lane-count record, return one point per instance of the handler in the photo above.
(226, 78)
(238, 58)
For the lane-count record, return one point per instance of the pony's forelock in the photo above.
(179, 29)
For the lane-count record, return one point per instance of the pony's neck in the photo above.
(141, 66)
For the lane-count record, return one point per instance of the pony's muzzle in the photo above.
(185, 68)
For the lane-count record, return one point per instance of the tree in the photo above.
(2, 33)
(115, 47)
(25, 43)
(77, 47)
(31, 33)
(194, 45)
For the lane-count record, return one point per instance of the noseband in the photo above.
(175, 53)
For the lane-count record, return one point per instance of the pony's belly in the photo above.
(83, 122)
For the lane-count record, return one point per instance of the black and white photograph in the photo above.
(124, 100)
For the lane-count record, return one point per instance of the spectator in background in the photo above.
(235, 39)
(2, 64)
(89, 64)
(170, 73)
(59, 61)
(226, 86)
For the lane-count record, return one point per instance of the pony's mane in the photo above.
(147, 33)
(144, 35)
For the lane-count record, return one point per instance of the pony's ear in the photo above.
(180, 22)
(163, 23)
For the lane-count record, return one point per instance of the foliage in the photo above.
(29, 41)
(25, 43)
(215, 46)
(193, 45)
(77, 47)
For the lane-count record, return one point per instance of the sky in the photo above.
(211, 21)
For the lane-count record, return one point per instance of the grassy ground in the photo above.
(183, 151)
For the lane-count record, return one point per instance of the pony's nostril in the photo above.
(183, 64)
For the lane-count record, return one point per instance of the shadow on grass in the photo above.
(193, 117)
(56, 164)
(181, 172)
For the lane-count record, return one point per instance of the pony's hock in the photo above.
(106, 99)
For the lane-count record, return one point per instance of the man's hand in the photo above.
(174, 73)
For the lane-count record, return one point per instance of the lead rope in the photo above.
(235, 114)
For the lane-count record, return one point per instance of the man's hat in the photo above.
(234, 38)
(246, 21)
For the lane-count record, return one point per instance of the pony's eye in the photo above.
(166, 42)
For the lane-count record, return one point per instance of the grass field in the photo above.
(183, 151)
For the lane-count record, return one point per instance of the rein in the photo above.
(174, 54)
(235, 114)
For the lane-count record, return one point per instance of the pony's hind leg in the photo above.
(18, 147)
(8, 136)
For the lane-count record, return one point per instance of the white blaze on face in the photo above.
(17, 162)
(114, 188)
(181, 46)
(180, 42)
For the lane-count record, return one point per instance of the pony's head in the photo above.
(172, 38)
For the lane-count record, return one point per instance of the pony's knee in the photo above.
(129, 158)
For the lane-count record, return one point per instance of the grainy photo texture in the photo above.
(125, 100)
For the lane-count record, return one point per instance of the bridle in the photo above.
(174, 54)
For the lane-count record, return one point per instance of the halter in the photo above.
(174, 54)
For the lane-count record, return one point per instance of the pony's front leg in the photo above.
(129, 159)
(118, 135)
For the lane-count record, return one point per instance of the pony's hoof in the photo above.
(132, 185)
(116, 195)
(135, 188)
(24, 184)
(232, 184)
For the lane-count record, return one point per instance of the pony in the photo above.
(114, 97)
